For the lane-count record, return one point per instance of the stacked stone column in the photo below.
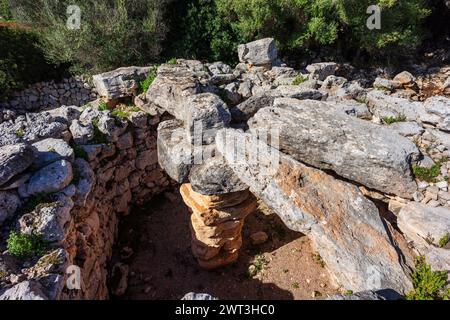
(216, 224)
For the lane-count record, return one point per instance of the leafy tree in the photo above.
(112, 33)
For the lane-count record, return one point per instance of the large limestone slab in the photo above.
(215, 177)
(345, 227)
(438, 112)
(119, 83)
(173, 84)
(259, 53)
(205, 114)
(14, 159)
(355, 149)
(176, 155)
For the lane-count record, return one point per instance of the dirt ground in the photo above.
(162, 266)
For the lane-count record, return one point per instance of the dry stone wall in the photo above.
(72, 195)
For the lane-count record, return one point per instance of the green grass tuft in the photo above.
(299, 79)
(25, 245)
(444, 240)
(144, 85)
(392, 120)
(429, 174)
(103, 106)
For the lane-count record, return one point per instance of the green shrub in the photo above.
(144, 85)
(113, 33)
(103, 106)
(5, 12)
(120, 113)
(429, 174)
(25, 245)
(392, 120)
(428, 284)
(214, 28)
(298, 80)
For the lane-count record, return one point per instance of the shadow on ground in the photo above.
(162, 266)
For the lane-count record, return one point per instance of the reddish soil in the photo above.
(162, 266)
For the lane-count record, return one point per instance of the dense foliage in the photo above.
(112, 33)
(115, 33)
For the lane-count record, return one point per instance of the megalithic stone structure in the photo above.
(216, 224)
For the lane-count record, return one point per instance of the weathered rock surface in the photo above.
(438, 109)
(173, 84)
(9, 203)
(176, 155)
(407, 129)
(345, 227)
(321, 71)
(198, 296)
(26, 290)
(383, 105)
(259, 53)
(14, 159)
(119, 83)
(205, 114)
(369, 295)
(247, 109)
(82, 133)
(355, 149)
(215, 177)
(51, 150)
(52, 178)
(430, 224)
(49, 220)
(426, 226)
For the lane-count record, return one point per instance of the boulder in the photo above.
(176, 155)
(344, 226)
(215, 177)
(26, 290)
(405, 78)
(438, 109)
(428, 223)
(321, 71)
(82, 133)
(297, 92)
(426, 227)
(407, 129)
(205, 114)
(258, 53)
(14, 159)
(51, 150)
(52, 178)
(49, 220)
(173, 84)
(9, 203)
(247, 109)
(112, 127)
(85, 181)
(383, 105)
(119, 83)
(355, 149)
(219, 68)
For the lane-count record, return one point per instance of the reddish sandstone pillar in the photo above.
(216, 225)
